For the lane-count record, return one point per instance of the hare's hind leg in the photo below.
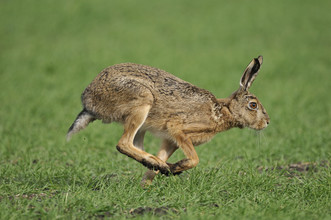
(139, 139)
(166, 150)
(132, 123)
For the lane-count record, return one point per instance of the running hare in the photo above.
(143, 98)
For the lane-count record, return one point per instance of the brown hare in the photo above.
(143, 98)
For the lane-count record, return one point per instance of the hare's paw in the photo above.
(175, 168)
(155, 163)
(182, 165)
(148, 178)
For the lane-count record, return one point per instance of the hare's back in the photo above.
(162, 84)
(128, 79)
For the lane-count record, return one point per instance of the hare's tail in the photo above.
(82, 120)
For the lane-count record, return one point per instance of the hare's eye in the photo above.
(252, 105)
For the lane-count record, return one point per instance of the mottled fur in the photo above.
(145, 98)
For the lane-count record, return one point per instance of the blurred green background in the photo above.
(51, 50)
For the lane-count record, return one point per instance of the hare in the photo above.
(144, 98)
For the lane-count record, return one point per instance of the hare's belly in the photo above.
(163, 134)
(197, 138)
(198, 132)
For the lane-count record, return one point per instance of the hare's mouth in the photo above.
(264, 125)
(260, 126)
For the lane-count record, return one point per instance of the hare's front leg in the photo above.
(133, 122)
(166, 150)
(192, 158)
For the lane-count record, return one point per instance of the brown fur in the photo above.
(144, 98)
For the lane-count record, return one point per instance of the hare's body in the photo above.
(174, 103)
(144, 98)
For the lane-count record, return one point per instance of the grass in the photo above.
(51, 50)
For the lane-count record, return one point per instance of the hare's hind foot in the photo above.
(160, 166)
(146, 159)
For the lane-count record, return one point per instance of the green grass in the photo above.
(51, 50)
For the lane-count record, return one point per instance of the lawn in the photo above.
(51, 50)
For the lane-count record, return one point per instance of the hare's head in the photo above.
(246, 109)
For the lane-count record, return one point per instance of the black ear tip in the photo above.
(256, 66)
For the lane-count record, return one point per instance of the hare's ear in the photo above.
(250, 73)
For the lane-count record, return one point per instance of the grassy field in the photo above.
(51, 50)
